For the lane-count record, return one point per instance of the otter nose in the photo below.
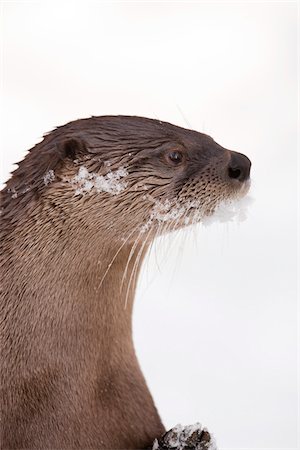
(239, 167)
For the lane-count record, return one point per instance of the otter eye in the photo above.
(175, 157)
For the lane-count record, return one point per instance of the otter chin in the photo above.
(77, 217)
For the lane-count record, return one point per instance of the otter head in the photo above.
(126, 176)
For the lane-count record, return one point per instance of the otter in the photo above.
(77, 217)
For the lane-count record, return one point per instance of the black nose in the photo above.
(239, 167)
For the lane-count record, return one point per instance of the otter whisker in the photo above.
(159, 237)
(183, 116)
(113, 259)
(174, 229)
(163, 229)
(133, 248)
(152, 249)
(179, 248)
(135, 267)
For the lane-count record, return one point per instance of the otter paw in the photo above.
(191, 437)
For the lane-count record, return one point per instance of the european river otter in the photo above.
(77, 218)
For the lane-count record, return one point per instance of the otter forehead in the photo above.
(125, 131)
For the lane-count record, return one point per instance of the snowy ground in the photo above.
(216, 316)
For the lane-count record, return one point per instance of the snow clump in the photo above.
(230, 211)
(49, 177)
(192, 212)
(111, 183)
(188, 437)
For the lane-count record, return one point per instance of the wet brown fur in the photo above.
(69, 263)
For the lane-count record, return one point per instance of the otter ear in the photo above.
(72, 147)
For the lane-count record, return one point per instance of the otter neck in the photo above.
(104, 281)
(80, 295)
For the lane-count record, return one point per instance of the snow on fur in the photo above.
(112, 182)
(49, 177)
(191, 212)
(230, 211)
(184, 437)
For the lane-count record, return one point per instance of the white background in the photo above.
(216, 315)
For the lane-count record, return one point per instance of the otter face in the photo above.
(149, 175)
(122, 174)
(188, 180)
